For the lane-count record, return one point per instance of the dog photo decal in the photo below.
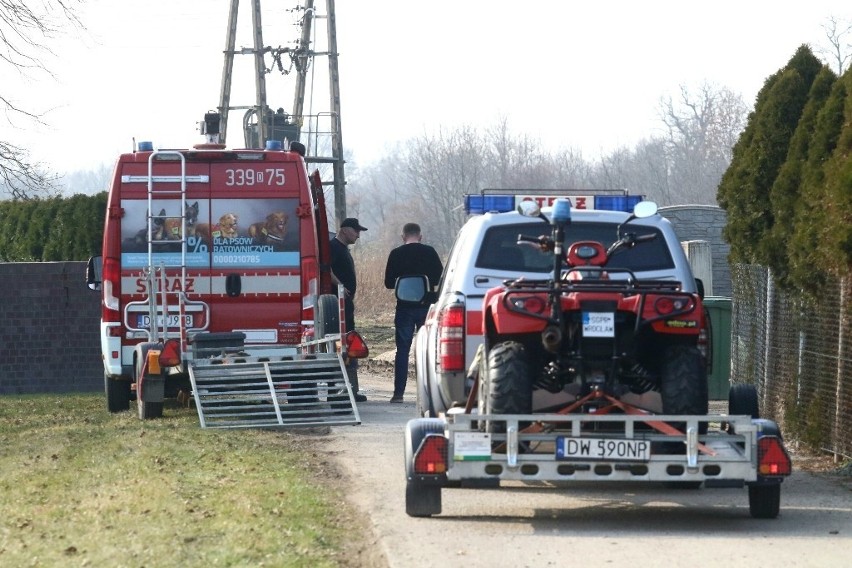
(266, 239)
(163, 230)
(220, 233)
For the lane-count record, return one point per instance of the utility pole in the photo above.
(320, 133)
(334, 97)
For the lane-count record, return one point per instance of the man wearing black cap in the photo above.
(343, 272)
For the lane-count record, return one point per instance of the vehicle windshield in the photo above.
(500, 250)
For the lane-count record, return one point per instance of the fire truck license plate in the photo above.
(602, 449)
(144, 321)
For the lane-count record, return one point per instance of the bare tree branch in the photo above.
(21, 178)
(25, 31)
(839, 52)
(701, 130)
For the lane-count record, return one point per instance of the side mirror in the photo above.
(644, 209)
(529, 208)
(93, 273)
(641, 210)
(411, 288)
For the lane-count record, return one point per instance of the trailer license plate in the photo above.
(598, 324)
(144, 321)
(602, 449)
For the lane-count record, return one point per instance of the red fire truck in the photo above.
(214, 256)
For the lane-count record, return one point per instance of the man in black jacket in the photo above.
(343, 272)
(411, 259)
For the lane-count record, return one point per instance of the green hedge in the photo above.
(56, 229)
(788, 190)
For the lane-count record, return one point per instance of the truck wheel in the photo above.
(425, 408)
(764, 501)
(117, 394)
(147, 410)
(509, 382)
(421, 500)
(684, 383)
(327, 318)
(742, 400)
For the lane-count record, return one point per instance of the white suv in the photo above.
(485, 254)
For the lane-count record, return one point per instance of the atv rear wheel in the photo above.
(509, 389)
(684, 383)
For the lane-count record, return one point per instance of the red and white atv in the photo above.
(592, 329)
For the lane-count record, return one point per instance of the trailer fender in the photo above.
(769, 429)
(150, 381)
(416, 431)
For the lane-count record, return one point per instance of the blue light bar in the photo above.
(476, 204)
(479, 204)
(624, 203)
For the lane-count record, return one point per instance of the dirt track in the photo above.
(604, 525)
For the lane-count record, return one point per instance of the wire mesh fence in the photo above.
(797, 350)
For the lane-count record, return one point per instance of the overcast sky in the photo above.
(582, 74)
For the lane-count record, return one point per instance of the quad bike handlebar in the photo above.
(595, 254)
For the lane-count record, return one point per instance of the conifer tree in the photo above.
(757, 158)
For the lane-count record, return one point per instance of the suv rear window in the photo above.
(500, 250)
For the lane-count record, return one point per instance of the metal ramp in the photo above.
(248, 392)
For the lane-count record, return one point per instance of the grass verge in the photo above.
(82, 487)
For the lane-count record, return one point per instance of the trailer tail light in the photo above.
(772, 458)
(451, 338)
(356, 347)
(170, 355)
(431, 456)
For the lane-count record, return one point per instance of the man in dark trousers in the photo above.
(411, 259)
(343, 272)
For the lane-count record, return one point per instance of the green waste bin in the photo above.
(718, 380)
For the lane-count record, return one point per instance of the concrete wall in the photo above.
(49, 329)
(705, 223)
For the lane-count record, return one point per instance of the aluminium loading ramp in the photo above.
(250, 392)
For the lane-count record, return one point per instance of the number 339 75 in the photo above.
(249, 177)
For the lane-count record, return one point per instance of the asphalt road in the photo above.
(579, 525)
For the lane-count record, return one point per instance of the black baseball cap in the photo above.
(352, 222)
